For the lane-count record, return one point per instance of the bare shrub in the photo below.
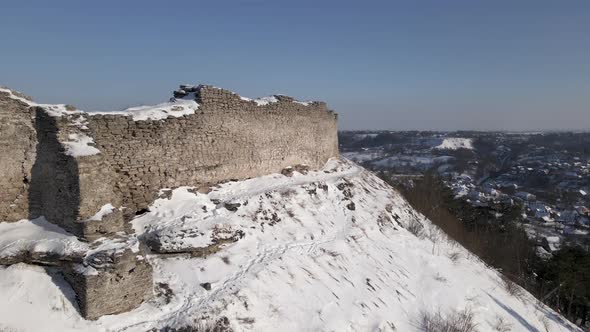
(501, 325)
(219, 325)
(434, 234)
(453, 321)
(455, 256)
(163, 291)
(439, 277)
(415, 227)
(290, 213)
(545, 322)
(246, 320)
(511, 287)
(288, 193)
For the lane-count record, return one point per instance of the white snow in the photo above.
(32, 301)
(176, 108)
(37, 236)
(56, 110)
(13, 96)
(104, 210)
(306, 263)
(262, 101)
(454, 143)
(79, 145)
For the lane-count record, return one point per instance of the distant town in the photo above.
(545, 175)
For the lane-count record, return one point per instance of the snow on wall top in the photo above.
(183, 103)
(52, 109)
(261, 101)
(174, 108)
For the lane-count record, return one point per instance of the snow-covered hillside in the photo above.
(454, 143)
(326, 251)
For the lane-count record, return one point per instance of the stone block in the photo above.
(111, 283)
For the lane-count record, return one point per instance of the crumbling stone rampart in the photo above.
(227, 138)
(91, 173)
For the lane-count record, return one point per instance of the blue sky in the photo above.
(416, 64)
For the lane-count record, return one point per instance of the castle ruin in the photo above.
(91, 173)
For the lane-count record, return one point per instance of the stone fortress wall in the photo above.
(68, 165)
(227, 138)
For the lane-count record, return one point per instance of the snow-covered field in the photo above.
(361, 156)
(326, 251)
(454, 143)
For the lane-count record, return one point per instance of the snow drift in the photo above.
(325, 251)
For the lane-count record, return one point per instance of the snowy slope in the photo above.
(309, 260)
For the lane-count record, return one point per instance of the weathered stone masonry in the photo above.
(17, 155)
(227, 138)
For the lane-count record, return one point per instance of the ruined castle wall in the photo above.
(227, 138)
(17, 154)
(68, 165)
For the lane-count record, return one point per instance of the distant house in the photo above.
(551, 243)
(540, 210)
(525, 196)
(543, 253)
(568, 216)
(505, 199)
(491, 191)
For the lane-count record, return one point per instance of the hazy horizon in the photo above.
(429, 65)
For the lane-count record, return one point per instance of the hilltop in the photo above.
(335, 249)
